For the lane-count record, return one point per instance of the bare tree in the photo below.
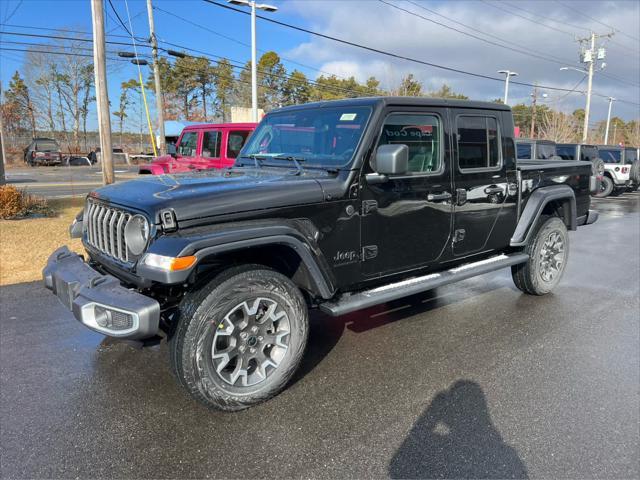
(559, 127)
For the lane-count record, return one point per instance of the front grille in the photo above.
(105, 230)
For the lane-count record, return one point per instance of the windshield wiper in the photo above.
(256, 157)
(296, 161)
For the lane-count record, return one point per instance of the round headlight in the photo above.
(136, 234)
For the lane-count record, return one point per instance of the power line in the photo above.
(391, 54)
(579, 12)
(119, 19)
(236, 40)
(60, 37)
(49, 52)
(88, 34)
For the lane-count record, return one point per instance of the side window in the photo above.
(567, 152)
(188, 144)
(211, 144)
(421, 133)
(588, 153)
(545, 151)
(478, 143)
(524, 151)
(236, 141)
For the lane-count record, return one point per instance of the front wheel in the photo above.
(606, 187)
(548, 254)
(240, 338)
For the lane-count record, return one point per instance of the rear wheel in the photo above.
(240, 338)
(606, 187)
(548, 254)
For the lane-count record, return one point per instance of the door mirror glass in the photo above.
(171, 149)
(392, 159)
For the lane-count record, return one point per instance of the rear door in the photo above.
(480, 176)
(406, 221)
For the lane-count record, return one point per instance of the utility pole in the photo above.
(102, 95)
(606, 132)
(534, 100)
(156, 78)
(589, 56)
(3, 159)
(615, 128)
(585, 129)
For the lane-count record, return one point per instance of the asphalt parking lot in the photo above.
(470, 380)
(65, 181)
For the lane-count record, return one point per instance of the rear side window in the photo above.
(524, 151)
(421, 133)
(211, 144)
(188, 144)
(236, 141)
(588, 154)
(610, 156)
(47, 145)
(478, 142)
(630, 155)
(566, 152)
(545, 151)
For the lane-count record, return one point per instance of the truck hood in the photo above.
(216, 192)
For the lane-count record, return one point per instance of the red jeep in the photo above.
(202, 146)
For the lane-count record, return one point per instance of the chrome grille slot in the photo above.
(105, 230)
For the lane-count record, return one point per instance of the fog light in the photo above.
(102, 319)
(113, 319)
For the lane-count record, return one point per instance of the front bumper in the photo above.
(99, 301)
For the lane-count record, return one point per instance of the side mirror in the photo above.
(392, 159)
(171, 149)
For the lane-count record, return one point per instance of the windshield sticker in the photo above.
(347, 117)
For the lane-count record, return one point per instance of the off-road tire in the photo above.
(606, 187)
(529, 276)
(202, 312)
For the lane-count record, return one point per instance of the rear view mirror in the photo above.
(392, 159)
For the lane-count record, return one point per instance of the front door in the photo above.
(406, 221)
(486, 219)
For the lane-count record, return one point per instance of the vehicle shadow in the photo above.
(326, 331)
(455, 438)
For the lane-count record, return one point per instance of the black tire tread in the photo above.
(189, 309)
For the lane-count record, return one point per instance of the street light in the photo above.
(254, 72)
(589, 73)
(606, 132)
(507, 74)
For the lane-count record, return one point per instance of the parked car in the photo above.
(201, 147)
(119, 156)
(585, 153)
(616, 178)
(337, 205)
(43, 151)
(632, 158)
(535, 149)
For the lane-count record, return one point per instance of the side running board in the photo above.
(350, 302)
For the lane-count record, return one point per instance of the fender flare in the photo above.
(242, 240)
(534, 207)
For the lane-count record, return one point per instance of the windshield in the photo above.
(47, 145)
(610, 155)
(326, 137)
(630, 155)
(545, 151)
(566, 152)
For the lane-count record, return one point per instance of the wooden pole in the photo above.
(3, 159)
(156, 77)
(102, 94)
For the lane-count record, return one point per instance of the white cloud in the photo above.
(383, 27)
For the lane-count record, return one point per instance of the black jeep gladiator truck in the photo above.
(337, 205)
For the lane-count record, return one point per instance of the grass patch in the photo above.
(26, 244)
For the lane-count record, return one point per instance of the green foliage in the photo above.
(445, 91)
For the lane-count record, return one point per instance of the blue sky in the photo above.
(543, 26)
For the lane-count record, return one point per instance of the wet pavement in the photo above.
(470, 380)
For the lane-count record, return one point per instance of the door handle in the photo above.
(438, 196)
(493, 190)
